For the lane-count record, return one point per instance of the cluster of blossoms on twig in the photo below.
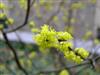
(4, 21)
(48, 38)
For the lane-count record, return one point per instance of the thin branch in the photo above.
(25, 21)
(15, 54)
(75, 53)
(32, 3)
(97, 58)
(66, 67)
(82, 69)
(55, 13)
(88, 62)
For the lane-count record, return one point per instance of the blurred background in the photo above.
(81, 18)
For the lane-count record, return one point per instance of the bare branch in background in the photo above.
(56, 12)
(87, 62)
(25, 21)
(32, 3)
(66, 67)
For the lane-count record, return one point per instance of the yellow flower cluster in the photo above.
(48, 38)
(2, 15)
(96, 41)
(10, 21)
(64, 72)
(77, 5)
(81, 51)
(64, 36)
(23, 4)
(63, 46)
(77, 56)
(4, 21)
(70, 55)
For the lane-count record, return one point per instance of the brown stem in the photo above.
(25, 21)
(15, 54)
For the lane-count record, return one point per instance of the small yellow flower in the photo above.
(81, 51)
(2, 66)
(32, 23)
(2, 15)
(63, 46)
(78, 59)
(2, 5)
(73, 20)
(96, 41)
(64, 36)
(10, 21)
(93, 1)
(1, 26)
(46, 38)
(32, 55)
(55, 18)
(64, 72)
(77, 5)
(35, 30)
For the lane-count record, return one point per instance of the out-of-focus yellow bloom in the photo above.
(70, 29)
(77, 5)
(2, 15)
(96, 41)
(42, 2)
(32, 55)
(93, 1)
(87, 35)
(1, 26)
(64, 72)
(23, 4)
(31, 23)
(55, 18)
(29, 63)
(2, 5)
(10, 21)
(35, 30)
(73, 20)
(22, 61)
(2, 66)
(65, 19)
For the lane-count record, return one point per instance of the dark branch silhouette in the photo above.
(14, 53)
(26, 18)
(88, 62)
